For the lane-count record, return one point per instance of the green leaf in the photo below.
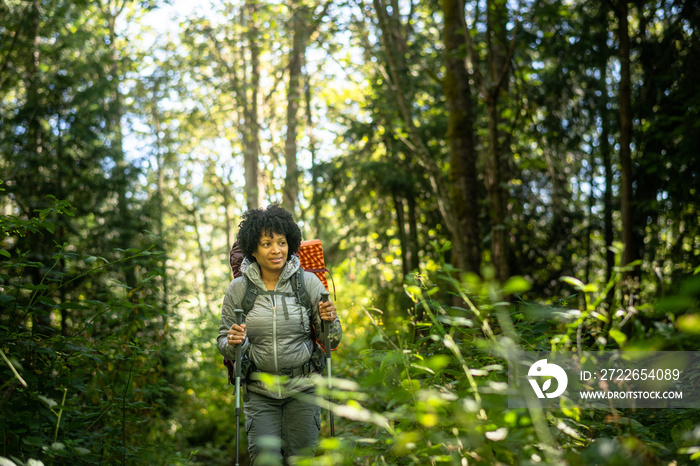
(5, 253)
(378, 338)
(689, 323)
(516, 284)
(619, 337)
(48, 401)
(578, 284)
(590, 288)
(438, 362)
(570, 409)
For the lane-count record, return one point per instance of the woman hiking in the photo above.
(278, 335)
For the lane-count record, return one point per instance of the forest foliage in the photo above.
(483, 175)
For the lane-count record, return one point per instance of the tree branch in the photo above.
(471, 53)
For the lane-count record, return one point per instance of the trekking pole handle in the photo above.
(324, 299)
(238, 314)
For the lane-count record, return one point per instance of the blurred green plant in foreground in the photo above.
(435, 391)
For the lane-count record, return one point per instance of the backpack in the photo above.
(311, 257)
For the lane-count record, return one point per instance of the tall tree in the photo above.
(492, 78)
(629, 238)
(250, 96)
(605, 149)
(460, 134)
(299, 38)
(303, 26)
(497, 176)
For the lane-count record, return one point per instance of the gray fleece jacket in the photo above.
(278, 329)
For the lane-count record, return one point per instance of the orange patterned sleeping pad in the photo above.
(311, 258)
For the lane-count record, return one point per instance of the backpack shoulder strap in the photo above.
(300, 289)
(249, 296)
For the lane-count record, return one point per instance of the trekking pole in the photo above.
(324, 298)
(239, 321)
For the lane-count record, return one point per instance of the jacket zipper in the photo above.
(274, 332)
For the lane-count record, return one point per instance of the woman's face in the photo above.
(272, 252)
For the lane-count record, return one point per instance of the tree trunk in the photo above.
(228, 201)
(606, 155)
(494, 187)
(496, 70)
(590, 217)
(315, 194)
(401, 226)
(253, 173)
(204, 294)
(460, 133)
(291, 185)
(35, 151)
(496, 168)
(160, 149)
(412, 253)
(630, 251)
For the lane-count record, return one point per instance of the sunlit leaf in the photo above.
(330, 443)
(569, 408)
(619, 337)
(689, 323)
(428, 419)
(497, 435)
(578, 284)
(568, 430)
(516, 284)
(590, 288)
(438, 362)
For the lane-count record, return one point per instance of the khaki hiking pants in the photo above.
(280, 429)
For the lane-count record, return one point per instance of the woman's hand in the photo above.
(327, 311)
(236, 334)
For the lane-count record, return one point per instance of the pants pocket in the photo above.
(248, 425)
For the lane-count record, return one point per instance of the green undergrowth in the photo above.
(82, 375)
(436, 392)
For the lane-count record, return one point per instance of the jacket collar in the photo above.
(252, 270)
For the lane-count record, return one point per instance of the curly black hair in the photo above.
(274, 219)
